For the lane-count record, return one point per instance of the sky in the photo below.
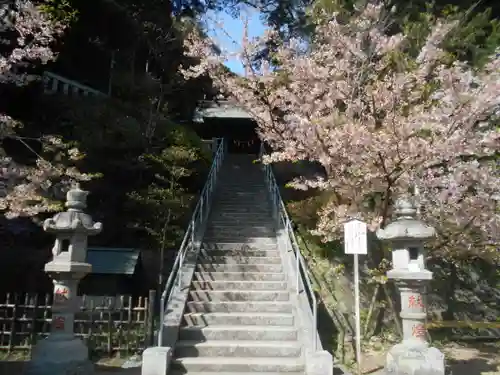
(227, 32)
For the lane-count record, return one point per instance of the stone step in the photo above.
(247, 233)
(255, 239)
(243, 193)
(245, 306)
(239, 276)
(246, 169)
(237, 176)
(246, 222)
(216, 215)
(243, 185)
(232, 259)
(239, 332)
(230, 182)
(250, 240)
(235, 197)
(239, 246)
(220, 348)
(181, 372)
(233, 202)
(248, 165)
(232, 226)
(235, 225)
(235, 365)
(269, 268)
(242, 189)
(240, 285)
(253, 207)
(235, 163)
(240, 212)
(241, 253)
(255, 223)
(238, 295)
(269, 320)
(254, 175)
(214, 232)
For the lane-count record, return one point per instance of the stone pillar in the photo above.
(406, 236)
(61, 353)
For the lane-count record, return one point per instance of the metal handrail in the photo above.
(283, 219)
(200, 214)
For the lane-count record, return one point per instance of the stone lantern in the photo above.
(61, 352)
(406, 236)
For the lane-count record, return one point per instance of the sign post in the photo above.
(356, 243)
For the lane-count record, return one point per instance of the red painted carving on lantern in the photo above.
(59, 322)
(418, 330)
(415, 301)
(61, 295)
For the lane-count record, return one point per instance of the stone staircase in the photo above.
(240, 316)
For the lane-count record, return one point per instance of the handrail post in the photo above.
(298, 269)
(160, 328)
(193, 221)
(286, 242)
(179, 271)
(315, 320)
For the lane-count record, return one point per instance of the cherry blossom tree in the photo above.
(381, 122)
(27, 34)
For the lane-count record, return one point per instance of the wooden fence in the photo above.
(107, 324)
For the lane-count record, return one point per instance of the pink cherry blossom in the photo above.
(29, 190)
(380, 124)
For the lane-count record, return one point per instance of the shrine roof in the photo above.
(219, 109)
(113, 261)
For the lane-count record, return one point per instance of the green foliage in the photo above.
(160, 206)
(305, 212)
(61, 11)
(144, 165)
(474, 39)
(165, 202)
(321, 8)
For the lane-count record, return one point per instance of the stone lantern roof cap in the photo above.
(74, 219)
(406, 226)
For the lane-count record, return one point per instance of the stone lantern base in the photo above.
(414, 357)
(60, 356)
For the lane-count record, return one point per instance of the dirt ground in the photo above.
(475, 359)
(479, 359)
(103, 367)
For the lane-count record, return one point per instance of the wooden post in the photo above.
(110, 331)
(150, 318)
(13, 320)
(33, 332)
(127, 334)
(130, 312)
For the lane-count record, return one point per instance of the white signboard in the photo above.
(355, 240)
